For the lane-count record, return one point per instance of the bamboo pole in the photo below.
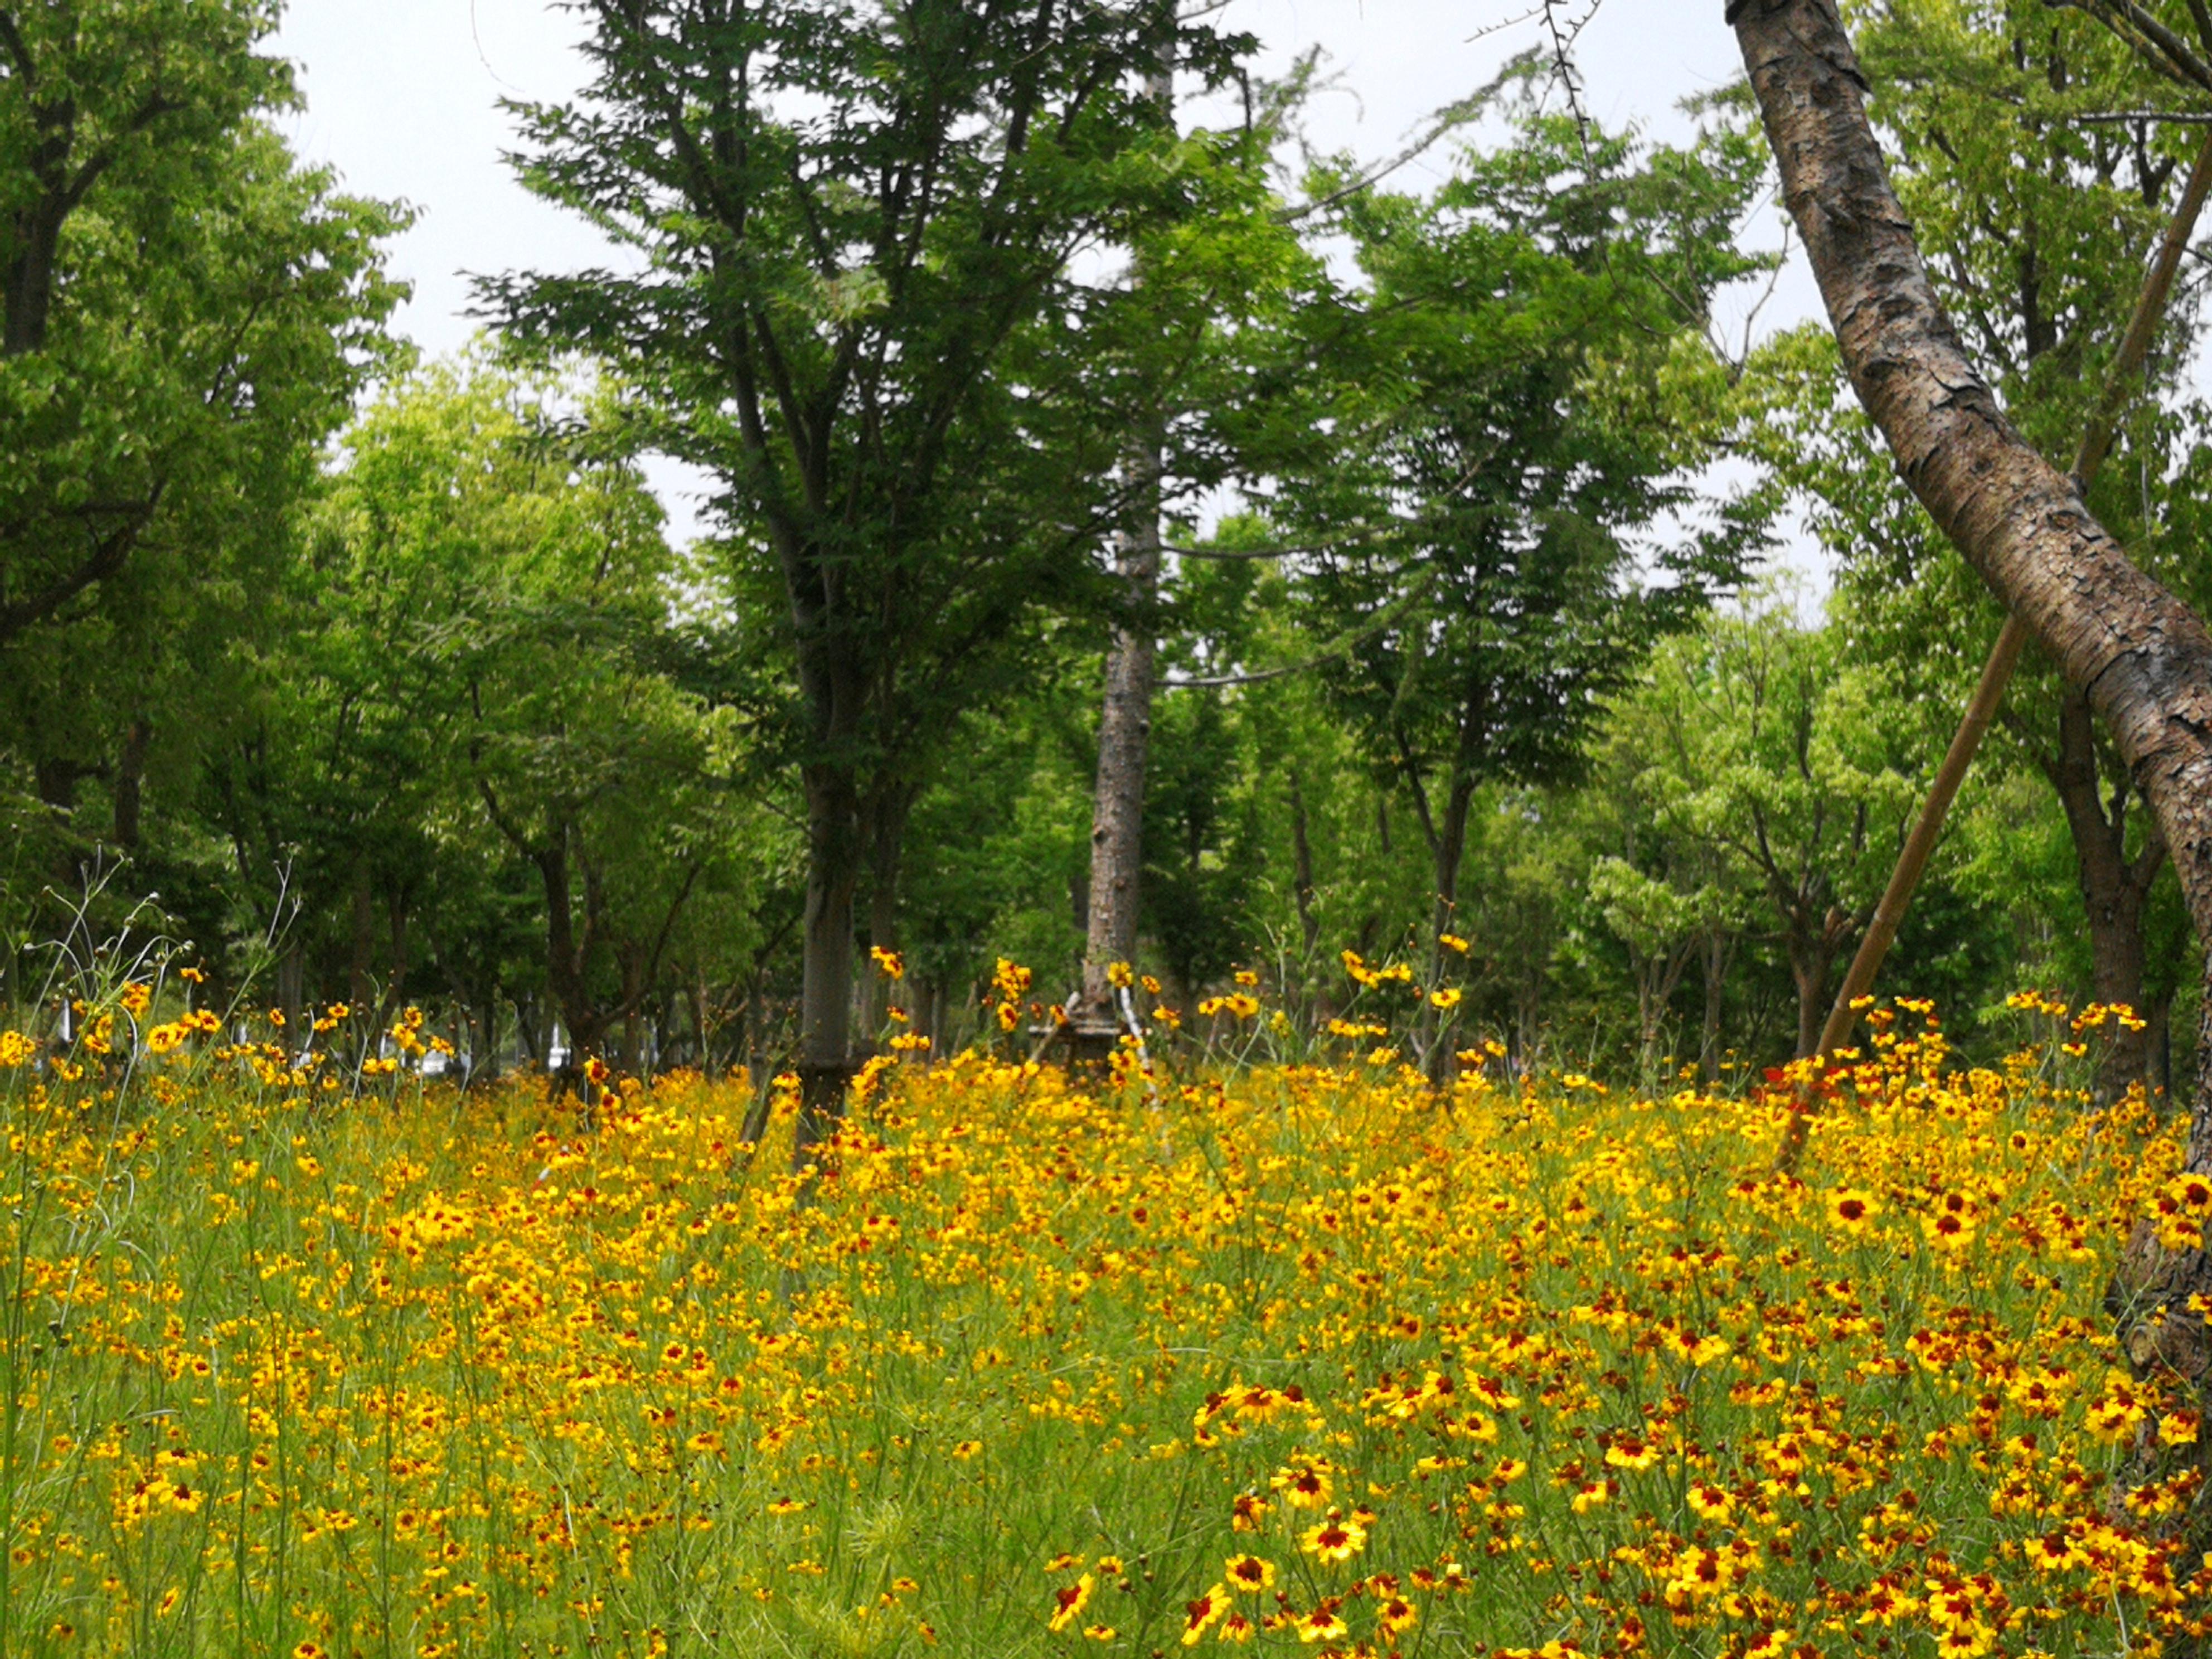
(2096, 442)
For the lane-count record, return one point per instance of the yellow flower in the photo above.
(1850, 1208)
(1200, 1612)
(1250, 1574)
(1070, 1600)
(1331, 1541)
(1321, 1624)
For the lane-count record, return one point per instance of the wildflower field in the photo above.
(1298, 1358)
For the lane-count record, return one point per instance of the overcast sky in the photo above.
(402, 99)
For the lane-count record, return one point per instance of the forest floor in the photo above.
(1307, 1359)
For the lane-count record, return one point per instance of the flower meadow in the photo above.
(1298, 1358)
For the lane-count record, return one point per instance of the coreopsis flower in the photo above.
(1850, 1208)
(1321, 1624)
(1305, 1487)
(1332, 1541)
(1069, 1601)
(1200, 1612)
(1250, 1574)
(1710, 1502)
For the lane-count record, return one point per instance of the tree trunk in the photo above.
(2115, 889)
(2145, 660)
(1717, 951)
(1125, 724)
(395, 989)
(1447, 850)
(886, 856)
(483, 1064)
(826, 1005)
(1810, 959)
(566, 964)
(130, 781)
(1302, 876)
(1125, 731)
(359, 964)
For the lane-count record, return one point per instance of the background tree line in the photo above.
(1009, 333)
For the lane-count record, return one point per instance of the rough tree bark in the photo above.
(825, 995)
(1125, 731)
(2144, 658)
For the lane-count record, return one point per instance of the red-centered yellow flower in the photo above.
(1251, 1510)
(1235, 1628)
(1850, 1208)
(1398, 1614)
(1967, 1641)
(1627, 1452)
(1321, 1624)
(1711, 1503)
(1948, 1229)
(1199, 1613)
(2056, 1552)
(1332, 1541)
(1447, 998)
(1069, 1601)
(1306, 1487)
(1250, 1574)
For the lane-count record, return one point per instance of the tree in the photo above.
(2037, 223)
(498, 657)
(1533, 392)
(188, 315)
(858, 223)
(2144, 658)
(1766, 749)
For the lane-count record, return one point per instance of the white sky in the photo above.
(402, 99)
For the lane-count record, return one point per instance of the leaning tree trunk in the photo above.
(2144, 658)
